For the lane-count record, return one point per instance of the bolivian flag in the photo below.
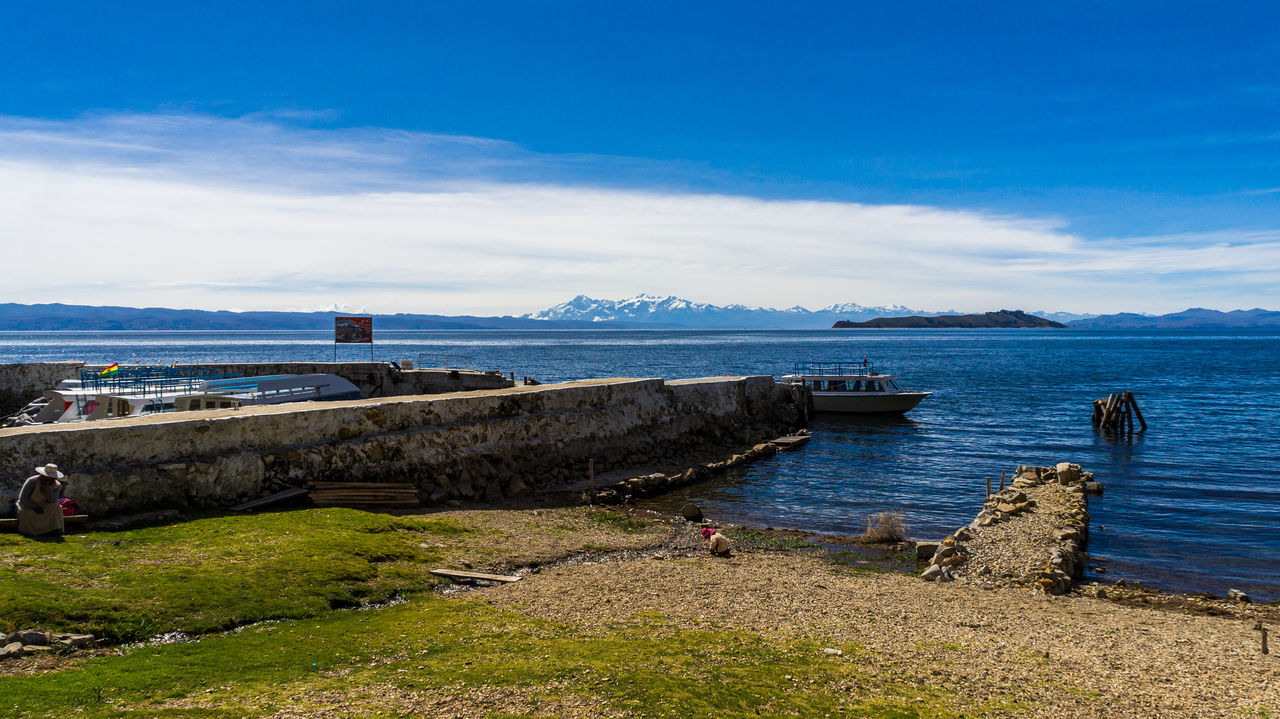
(114, 368)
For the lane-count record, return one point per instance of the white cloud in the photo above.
(203, 212)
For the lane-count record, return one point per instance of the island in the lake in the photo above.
(1003, 318)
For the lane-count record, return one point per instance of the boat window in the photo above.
(837, 386)
(874, 386)
(857, 386)
(894, 385)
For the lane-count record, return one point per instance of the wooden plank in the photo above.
(474, 576)
(354, 493)
(790, 441)
(362, 498)
(1137, 411)
(396, 497)
(379, 490)
(280, 496)
(365, 503)
(328, 490)
(359, 485)
(10, 524)
(1107, 419)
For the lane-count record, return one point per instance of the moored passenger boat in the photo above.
(854, 388)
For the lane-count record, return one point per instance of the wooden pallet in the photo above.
(363, 494)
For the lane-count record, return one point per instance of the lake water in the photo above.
(1191, 504)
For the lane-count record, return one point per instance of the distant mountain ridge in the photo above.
(52, 317)
(1001, 319)
(672, 311)
(582, 312)
(1194, 318)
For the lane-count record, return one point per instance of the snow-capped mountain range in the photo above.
(677, 312)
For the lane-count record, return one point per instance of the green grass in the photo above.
(381, 662)
(616, 520)
(212, 573)
(431, 655)
(766, 541)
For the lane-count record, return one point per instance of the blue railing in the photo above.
(149, 379)
(837, 367)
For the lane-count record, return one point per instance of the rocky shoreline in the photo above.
(647, 485)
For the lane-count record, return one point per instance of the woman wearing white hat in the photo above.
(38, 510)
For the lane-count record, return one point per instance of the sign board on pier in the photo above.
(353, 330)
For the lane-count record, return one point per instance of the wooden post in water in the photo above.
(1108, 415)
(988, 485)
(1134, 403)
(1002, 472)
(1117, 412)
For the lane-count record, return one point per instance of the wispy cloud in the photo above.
(256, 213)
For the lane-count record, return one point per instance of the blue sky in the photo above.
(1128, 153)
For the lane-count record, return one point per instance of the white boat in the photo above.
(854, 388)
(126, 392)
(153, 391)
(272, 389)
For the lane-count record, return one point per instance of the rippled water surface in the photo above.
(1191, 504)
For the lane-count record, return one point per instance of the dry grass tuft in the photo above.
(885, 528)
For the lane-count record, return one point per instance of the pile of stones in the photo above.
(28, 642)
(1048, 543)
(949, 556)
(1003, 505)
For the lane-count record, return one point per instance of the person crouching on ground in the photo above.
(39, 513)
(717, 543)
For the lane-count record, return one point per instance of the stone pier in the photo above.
(483, 445)
(1032, 533)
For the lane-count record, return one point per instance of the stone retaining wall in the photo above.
(22, 382)
(477, 445)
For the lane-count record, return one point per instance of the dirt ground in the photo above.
(1135, 653)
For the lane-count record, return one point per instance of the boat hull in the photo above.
(864, 403)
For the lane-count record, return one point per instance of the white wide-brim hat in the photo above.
(50, 471)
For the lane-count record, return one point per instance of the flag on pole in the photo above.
(114, 368)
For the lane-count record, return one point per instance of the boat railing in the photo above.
(835, 367)
(149, 379)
